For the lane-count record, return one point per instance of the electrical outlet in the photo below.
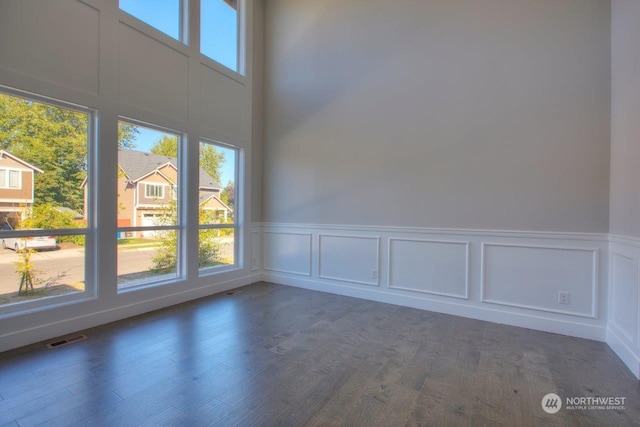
(374, 274)
(564, 297)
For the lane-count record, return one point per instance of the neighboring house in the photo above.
(17, 181)
(147, 184)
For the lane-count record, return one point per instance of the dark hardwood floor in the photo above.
(276, 355)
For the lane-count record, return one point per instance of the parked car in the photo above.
(36, 242)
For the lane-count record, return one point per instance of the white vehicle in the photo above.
(36, 242)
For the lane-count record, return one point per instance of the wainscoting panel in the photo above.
(287, 252)
(623, 327)
(349, 259)
(624, 295)
(534, 277)
(429, 266)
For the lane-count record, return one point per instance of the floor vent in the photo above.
(233, 292)
(66, 341)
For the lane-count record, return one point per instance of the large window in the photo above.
(219, 31)
(218, 206)
(44, 203)
(148, 212)
(164, 15)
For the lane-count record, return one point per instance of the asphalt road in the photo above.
(66, 265)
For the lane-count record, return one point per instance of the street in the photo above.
(67, 265)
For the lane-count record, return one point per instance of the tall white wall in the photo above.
(89, 53)
(490, 114)
(624, 319)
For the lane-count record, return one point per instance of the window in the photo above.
(10, 179)
(44, 229)
(148, 223)
(164, 15)
(153, 191)
(219, 31)
(218, 206)
(14, 179)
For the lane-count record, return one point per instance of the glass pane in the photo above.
(219, 31)
(147, 177)
(217, 202)
(216, 247)
(43, 173)
(164, 15)
(38, 267)
(148, 258)
(43, 156)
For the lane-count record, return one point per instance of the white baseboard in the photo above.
(48, 331)
(462, 309)
(628, 356)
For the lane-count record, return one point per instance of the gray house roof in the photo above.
(136, 164)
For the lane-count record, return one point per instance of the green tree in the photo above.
(211, 160)
(228, 196)
(53, 139)
(47, 216)
(164, 260)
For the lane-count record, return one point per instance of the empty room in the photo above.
(306, 212)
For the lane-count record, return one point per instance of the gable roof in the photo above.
(19, 160)
(138, 164)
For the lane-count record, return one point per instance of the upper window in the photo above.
(10, 179)
(153, 191)
(164, 15)
(219, 30)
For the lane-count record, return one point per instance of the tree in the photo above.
(53, 139)
(209, 246)
(211, 160)
(228, 195)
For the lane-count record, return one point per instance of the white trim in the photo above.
(467, 267)
(633, 339)
(594, 283)
(448, 231)
(360, 282)
(628, 356)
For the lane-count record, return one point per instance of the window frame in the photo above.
(237, 225)
(160, 187)
(180, 226)
(89, 231)
(183, 22)
(241, 51)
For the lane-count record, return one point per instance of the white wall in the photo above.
(89, 53)
(490, 114)
(623, 332)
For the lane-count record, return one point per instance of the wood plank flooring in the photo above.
(275, 355)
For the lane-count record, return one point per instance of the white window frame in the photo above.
(241, 42)
(6, 175)
(183, 22)
(237, 213)
(148, 186)
(180, 226)
(89, 292)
